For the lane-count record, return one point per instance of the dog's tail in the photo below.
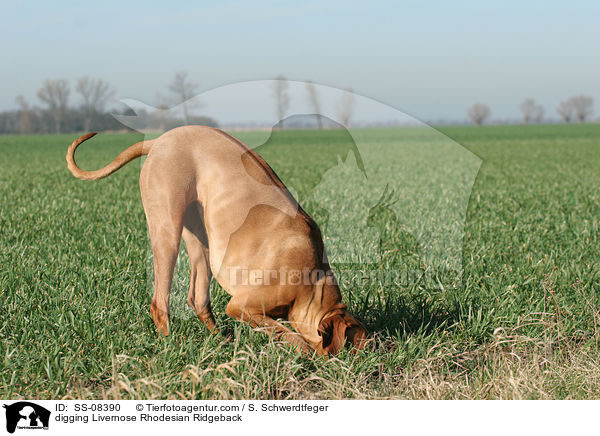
(126, 156)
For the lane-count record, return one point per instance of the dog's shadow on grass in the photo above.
(402, 316)
(398, 310)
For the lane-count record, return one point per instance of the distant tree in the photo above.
(565, 110)
(161, 113)
(313, 100)
(528, 109)
(345, 107)
(582, 105)
(95, 93)
(25, 123)
(282, 98)
(9, 121)
(184, 90)
(55, 94)
(479, 113)
(538, 114)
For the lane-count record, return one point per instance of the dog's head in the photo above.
(326, 324)
(339, 328)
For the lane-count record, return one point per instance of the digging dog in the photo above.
(241, 225)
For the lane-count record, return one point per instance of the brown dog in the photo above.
(240, 224)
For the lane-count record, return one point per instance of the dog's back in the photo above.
(247, 211)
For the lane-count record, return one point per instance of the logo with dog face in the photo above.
(26, 415)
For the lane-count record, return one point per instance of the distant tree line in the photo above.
(577, 108)
(344, 107)
(56, 115)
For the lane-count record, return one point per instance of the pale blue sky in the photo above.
(430, 59)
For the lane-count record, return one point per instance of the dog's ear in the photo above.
(339, 328)
(356, 333)
(332, 330)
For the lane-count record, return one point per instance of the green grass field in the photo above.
(523, 323)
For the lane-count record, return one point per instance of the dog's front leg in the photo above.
(238, 309)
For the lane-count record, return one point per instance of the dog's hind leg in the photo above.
(165, 223)
(199, 295)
